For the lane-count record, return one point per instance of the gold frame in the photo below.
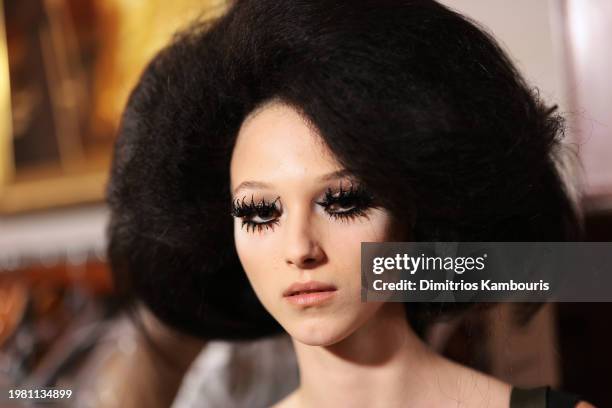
(6, 120)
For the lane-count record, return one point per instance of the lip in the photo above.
(309, 293)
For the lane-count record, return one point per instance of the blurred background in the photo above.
(66, 69)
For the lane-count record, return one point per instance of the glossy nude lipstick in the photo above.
(309, 294)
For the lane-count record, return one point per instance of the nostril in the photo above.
(308, 262)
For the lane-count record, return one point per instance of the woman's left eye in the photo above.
(347, 204)
(340, 208)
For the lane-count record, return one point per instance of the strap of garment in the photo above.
(542, 397)
(528, 398)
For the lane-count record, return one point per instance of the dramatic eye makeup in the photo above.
(256, 215)
(340, 204)
(347, 204)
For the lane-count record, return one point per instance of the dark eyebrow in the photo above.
(260, 184)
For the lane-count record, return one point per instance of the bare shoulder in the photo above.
(584, 404)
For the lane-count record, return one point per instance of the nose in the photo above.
(302, 248)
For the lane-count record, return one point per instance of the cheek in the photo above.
(344, 250)
(343, 245)
(250, 245)
(381, 227)
(344, 240)
(257, 254)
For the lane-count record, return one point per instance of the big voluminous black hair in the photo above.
(415, 100)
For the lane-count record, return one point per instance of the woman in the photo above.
(320, 125)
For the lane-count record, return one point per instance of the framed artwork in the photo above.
(66, 70)
(52, 152)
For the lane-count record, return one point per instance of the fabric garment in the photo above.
(542, 397)
(247, 374)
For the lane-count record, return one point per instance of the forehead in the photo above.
(277, 143)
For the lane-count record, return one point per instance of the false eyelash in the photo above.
(359, 197)
(242, 209)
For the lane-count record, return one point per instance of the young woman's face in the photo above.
(299, 226)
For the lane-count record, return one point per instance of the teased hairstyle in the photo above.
(415, 100)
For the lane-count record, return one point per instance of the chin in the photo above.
(319, 332)
(317, 339)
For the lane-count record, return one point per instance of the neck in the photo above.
(382, 364)
(382, 358)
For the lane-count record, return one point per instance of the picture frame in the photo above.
(43, 162)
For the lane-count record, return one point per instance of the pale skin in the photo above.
(350, 354)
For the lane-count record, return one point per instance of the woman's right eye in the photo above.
(264, 215)
(256, 216)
